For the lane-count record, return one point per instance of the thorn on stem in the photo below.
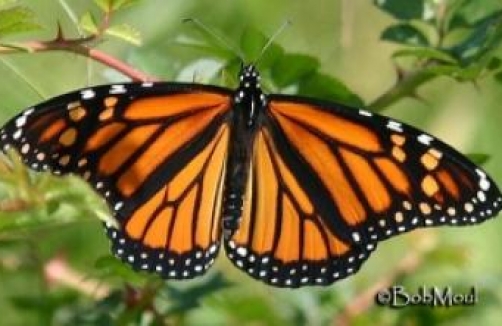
(59, 34)
(419, 97)
(400, 72)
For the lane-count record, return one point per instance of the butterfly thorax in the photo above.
(249, 97)
(249, 102)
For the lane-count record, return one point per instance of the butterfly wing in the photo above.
(329, 182)
(155, 152)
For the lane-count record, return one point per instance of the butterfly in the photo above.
(298, 190)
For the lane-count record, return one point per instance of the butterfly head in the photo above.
(249, 86)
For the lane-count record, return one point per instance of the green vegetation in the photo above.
(433, 63)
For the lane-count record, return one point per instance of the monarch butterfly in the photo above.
(298, 190)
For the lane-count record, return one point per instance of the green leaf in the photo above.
(126, 33)
(247, 308)
(109, 266)
(48, 302)
(404, 34)
(5, 3)
(486, 35)
(478, 158)
(459, 73)
(89, 24)
(229, 72)
(184, 299)
(498, 77)
(114, 5)
(329, 88)
(99, 313)
(104, 5)
(205, 47)
(403, 10)
(293, 67)
(426, 53)
(465, 13)
(17, 20)
(17, 46)
(252, 43)
(458, 21)
(122, 4)
(494, 64)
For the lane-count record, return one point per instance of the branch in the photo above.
(366, 299)
(406, 85)
(79, 46)
(57, 271)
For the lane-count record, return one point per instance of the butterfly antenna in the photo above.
(216, 36)
(271, 40)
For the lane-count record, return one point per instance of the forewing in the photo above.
(155, 152)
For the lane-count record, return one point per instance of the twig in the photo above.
(406, 85)
(13, 205)
(79, 46)
(366, 299)
(57, 271)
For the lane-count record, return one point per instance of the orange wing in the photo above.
(329, 182)
(282, 238)
(155, 152)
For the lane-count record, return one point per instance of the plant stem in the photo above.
(405, 86)
(365, 300)
(80, 47)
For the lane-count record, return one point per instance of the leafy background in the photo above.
(432, 63)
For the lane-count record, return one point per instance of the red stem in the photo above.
(78, 46)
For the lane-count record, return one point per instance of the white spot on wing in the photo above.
(481, 196)
(17, 134)
(365, 113)
(241, 251)
(394, 125)
(21, 121)
(484, 184)
(28, 112)
(87, 94)
(118, 206)
(118, 89)
(481, 174)
(425, 139)
(212, 249)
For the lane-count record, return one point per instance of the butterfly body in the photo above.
(299, 191)
(245, 119)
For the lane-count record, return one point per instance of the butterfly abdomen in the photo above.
(237, 171)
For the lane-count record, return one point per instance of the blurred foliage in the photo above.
(442, 42)
(42, 216)
(15, 20)
(97, 28)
